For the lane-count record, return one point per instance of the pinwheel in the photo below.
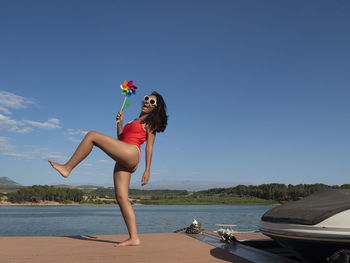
(128, 89)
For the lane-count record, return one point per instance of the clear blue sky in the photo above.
(257, 91)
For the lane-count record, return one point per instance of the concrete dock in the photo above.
(165, 248)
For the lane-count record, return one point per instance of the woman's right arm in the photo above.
(120, 125)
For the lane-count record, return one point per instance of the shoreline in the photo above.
(92, 204)
(137, 201)
(45, 203)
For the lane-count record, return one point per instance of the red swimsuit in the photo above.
(134, 133)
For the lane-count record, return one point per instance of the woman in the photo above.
(126, 153)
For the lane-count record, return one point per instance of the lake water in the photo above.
(107, 219)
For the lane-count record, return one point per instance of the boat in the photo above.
(315, 228)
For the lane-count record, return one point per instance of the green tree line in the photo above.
(276, 192)
(102, 192)
(37, 193)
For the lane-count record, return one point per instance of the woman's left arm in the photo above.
(149, 149)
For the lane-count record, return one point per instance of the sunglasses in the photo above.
(151, 101)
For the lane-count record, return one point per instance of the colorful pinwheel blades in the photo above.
(128, 88)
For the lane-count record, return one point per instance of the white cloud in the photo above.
(55, 156)
(104, 162)
(21, 130)
(34, 152)
(5, 146)
(50, 124)
(13, 125)
(4, 110)
(6, 122)
(7, 149)
(74, 135)
(9, 100)
(22, 126)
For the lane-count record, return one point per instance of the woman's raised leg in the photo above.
(121, 152)
(121, 187)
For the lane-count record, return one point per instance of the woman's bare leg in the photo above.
(121, 152)
(121, 187)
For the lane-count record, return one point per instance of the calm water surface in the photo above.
(107, 219)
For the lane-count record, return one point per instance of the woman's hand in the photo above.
(119, 120)
(120, 117)
(145, 178)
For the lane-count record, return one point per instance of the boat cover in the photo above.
(312, 209)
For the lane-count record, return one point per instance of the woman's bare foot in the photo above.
(60, 168)
(129, 242)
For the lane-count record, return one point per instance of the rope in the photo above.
(179, 230)
(194, 228)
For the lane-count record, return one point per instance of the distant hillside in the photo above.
(5, 181)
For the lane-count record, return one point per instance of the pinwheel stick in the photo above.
(124, 102)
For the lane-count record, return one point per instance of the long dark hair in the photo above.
(157, 120)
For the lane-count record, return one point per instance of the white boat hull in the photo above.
(312, 243)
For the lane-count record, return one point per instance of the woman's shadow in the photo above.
(94, 239)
